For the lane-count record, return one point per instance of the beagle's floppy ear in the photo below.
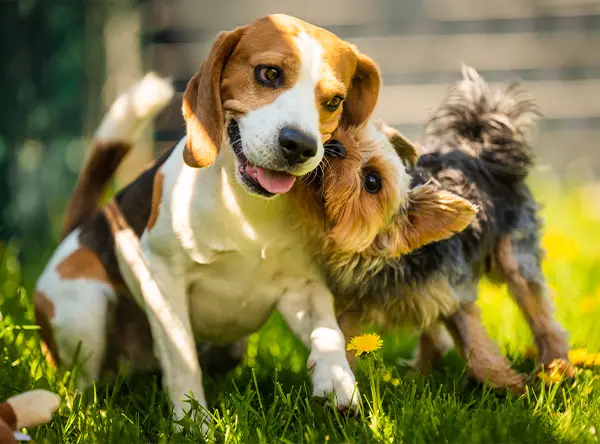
(363, 93)
(407, 150)
(202, 108)
(432, 215)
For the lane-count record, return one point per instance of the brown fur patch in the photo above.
(157, 192)
(536, 307)
(44, 313)
(225, 84)
(419, 306)
(428, 356)
(83, 263)
(44, 304)
(422, 305)
(484, 360)
(8, 419)
(97, 172)
(434, 343)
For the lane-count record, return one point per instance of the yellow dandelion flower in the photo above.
(365, 343)
(387, 377)
(577, 356)
(592, 360)
(395, 382)
(582, 358)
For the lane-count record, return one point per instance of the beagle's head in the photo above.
(273, 91)
(365, 201)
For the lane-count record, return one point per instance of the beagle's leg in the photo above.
(309, 312)
(159, 286)
(171, 330)
(72, 300)
(484, 360)
(435, 342)
(77, 328)
(531, 296)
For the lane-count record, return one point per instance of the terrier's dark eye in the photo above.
(372, 182)
(335, 148)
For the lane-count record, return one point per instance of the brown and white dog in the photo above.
(220, 252)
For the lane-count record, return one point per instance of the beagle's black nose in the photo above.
(296, 146)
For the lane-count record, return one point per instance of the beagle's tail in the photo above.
(113, 140)
(492, 124)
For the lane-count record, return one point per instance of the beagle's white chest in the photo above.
(241, 253)
(234, 295)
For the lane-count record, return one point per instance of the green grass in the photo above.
(267, 398)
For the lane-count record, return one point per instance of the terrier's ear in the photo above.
(433, 215)
(407, 150)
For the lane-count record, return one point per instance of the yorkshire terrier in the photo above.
(421, 267)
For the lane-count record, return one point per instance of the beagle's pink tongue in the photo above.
(275, 182)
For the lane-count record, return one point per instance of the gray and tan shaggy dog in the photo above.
(476, 147)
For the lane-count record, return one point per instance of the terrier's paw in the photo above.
(557, 371)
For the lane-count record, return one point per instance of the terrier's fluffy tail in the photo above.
(496, 124)
(113, 140)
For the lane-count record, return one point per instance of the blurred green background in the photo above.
(48, 95)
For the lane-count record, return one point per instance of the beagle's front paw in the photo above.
(333, 376)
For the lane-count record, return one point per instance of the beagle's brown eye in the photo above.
(372, 182)
(334, 103)
(271, 76)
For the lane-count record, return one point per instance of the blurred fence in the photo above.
(553, 45)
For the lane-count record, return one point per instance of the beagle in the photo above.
(216, 228)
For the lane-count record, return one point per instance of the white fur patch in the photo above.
(129, 252)
(130, 113)
(331, 372)
(327, 340)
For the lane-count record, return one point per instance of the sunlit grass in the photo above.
(267, 399)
